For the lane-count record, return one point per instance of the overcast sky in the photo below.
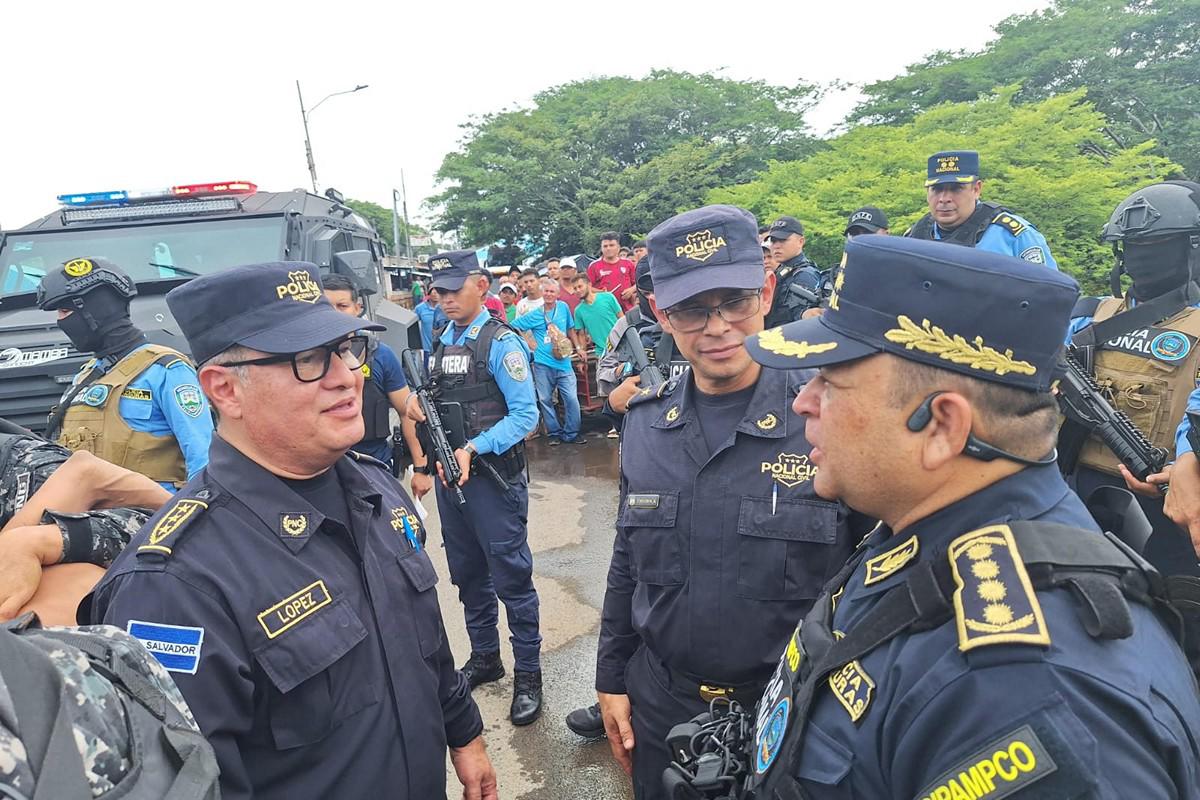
(124, 95)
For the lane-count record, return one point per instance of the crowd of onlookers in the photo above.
(565, 309)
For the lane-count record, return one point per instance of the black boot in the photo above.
(527, 697)
(587, 722)
(483, 668)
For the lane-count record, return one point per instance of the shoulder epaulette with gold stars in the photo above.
(1009, 223)
(655, 393)
(994, 601)
(174, 521)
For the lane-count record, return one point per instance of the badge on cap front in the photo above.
(300, 286)
(704, 246)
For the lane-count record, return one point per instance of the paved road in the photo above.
(572, 505)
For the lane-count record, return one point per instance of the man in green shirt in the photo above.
(596, 313)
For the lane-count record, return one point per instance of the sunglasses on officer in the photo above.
(313, 364)
(695, 318)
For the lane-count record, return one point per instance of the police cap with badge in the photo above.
(451, 270)
(784, 227)
(275, 308)
(981, 314)
(868, 219)
(952, 166)
(714, 247)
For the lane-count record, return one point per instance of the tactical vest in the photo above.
(376, 408)
(790, 306)
(93, 421)
(970, 232)
(461, 373)
(1148, 373)
(1101, 572)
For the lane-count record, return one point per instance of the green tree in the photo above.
(381, 219)
(1040, 159)
(1139, 62)
(614, 153)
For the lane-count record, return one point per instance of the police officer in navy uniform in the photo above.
(721, 541)
(286, 587)
(798, 278)
(133, 403)
(958, 215)
(483, 364)
(986, 640)
(1149, 365)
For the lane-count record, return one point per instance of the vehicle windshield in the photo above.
(147, 253)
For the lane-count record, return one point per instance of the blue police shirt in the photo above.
(429, 317)
(508, 362)
(176, 407)
(1193, 404)
(1113, 718)
(313, 655)
(1029, 244)
(538, 323)
(388, 376)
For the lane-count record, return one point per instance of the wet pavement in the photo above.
(572, 506)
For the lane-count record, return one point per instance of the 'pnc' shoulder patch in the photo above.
(994, 771)
(994, 602)
(176, 518)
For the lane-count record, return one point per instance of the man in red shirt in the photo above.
(611, 273)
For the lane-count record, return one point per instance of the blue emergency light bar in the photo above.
(124, 197)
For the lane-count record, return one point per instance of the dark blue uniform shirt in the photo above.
(716, 556)
(1119, 718)
(313, 658)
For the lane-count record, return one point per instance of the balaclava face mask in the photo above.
(102, 325)
(1156, 267)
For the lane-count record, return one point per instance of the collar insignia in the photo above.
(885, 564)
(294, 525)
(672, 414)
(767, 423)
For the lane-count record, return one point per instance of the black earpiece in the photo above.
(920, 418)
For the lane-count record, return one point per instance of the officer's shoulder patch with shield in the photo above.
(174, 520)
(994, 602)
(1034, 255)
(516, 365)
(189, 399)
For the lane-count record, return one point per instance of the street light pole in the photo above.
(395, 225)
(304, 115)
(407, 230)
(312, 167)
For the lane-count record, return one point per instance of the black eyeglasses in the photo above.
(695, 318)
(313, 364)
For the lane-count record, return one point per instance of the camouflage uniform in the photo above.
(29, 463)
(95, 709)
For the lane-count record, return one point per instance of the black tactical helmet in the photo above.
(1162, 209)
(79, 276)
(1155, 236)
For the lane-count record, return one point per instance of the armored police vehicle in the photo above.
(164, 238)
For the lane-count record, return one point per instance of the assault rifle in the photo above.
(651, 374)
(442, 450)
(1084, 405)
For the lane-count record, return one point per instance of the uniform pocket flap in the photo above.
(419, 570)
(824, 760)
(650, 510)
(794, 520)
(306, 642)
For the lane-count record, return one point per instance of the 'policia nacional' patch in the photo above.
(1158, 343)
(995, 771)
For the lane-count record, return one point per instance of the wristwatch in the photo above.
(425, 469)
(470, 448)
